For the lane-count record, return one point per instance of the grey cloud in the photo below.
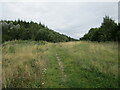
(73, 19)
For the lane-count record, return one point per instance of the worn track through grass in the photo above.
(29, 64)
(61, 66)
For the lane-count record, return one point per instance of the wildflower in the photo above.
(42, 83)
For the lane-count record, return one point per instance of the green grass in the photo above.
(34, 64)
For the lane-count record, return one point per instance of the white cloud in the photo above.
(59, 0)
(73, 19)
(119, 12)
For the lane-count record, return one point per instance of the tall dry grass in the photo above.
(23, 65)
(35, 65)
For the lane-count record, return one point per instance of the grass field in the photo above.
(31, 64)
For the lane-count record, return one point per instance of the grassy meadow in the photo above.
(80, 64)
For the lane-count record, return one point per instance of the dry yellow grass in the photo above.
(86, 64)
(24, 63)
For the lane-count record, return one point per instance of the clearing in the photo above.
(32, 64)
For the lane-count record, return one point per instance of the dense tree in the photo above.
(108, 31)
(118, 33)
(23, 30)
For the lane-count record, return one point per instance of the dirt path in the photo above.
(61, 66)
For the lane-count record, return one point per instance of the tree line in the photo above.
(23, 30)
(108, 31)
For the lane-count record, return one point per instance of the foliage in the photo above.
(108, 31)
(22, 30)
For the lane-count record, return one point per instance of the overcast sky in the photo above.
(73, 19)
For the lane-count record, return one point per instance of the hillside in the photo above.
(81, 64)
(23, 30)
